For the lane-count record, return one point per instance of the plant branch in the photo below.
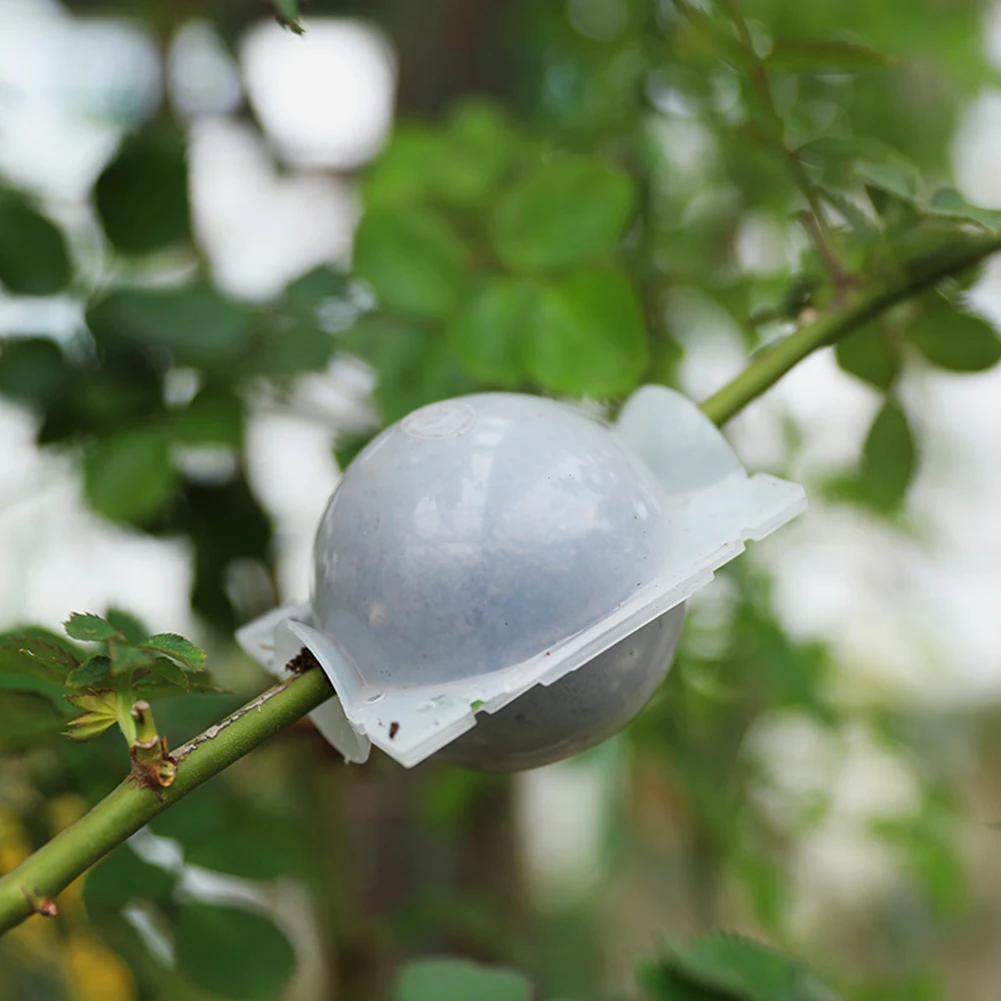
(31, 887)
(814, 222)
(127, 809)
(781, 356)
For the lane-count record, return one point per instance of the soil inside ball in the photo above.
(582, 709)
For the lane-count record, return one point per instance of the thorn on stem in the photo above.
(40, 904)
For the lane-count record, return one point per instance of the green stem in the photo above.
(780, 357)
(127, 809)
(814, 222)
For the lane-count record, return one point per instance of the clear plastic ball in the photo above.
(578, 712)
(480, 533)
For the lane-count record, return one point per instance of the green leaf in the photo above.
(663, 984)
(487, 333)
(564, 211)
(248, 857)
(22, 681)
(287, 15)
(413, 365)
(475, 152)
(166, 673)
(459, 980)
(129, 477)
(142, 195)
(412, 259)
(722, 967)
(195, 323)
(587, 336)
(167, 678)
(950, 203)
(850, 148)
(124, 701)
(226, 831)
(261, 850)
(870, 355)
(132, 628)
(88, 626)
(125, 658)
(177, 648)
(299, 347)
(100, 713)
(33, 255)
(124, 880)
(26, 718)
(460, 165)
(37, 654)
(90, 672)
(888, 459)
(741, 968)
(33, 370)
(309, 291)
(121, 877)
(401, 175)
(954, 339)
(229, 518)
(210, 418)
(892, 178)
(88, 726)
(423, 371)
(819, 55)
(199, 817)
(840, 162)
(233, 952)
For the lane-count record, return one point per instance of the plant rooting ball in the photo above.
(500, 579)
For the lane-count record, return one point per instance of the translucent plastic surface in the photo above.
(504, 577)
(479, 532)
(585, 707)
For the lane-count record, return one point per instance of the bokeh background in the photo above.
(821, 767)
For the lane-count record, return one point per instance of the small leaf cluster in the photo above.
(41, 671)
(496, 259)
(226, 950)
(446, 979)
(939, 329)
(160, 374)
(223, 949)
(721, 967)
(713, 967)
(34, 259)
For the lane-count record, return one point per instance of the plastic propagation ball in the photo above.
(501, 578)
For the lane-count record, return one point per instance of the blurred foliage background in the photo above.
(229, 254)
